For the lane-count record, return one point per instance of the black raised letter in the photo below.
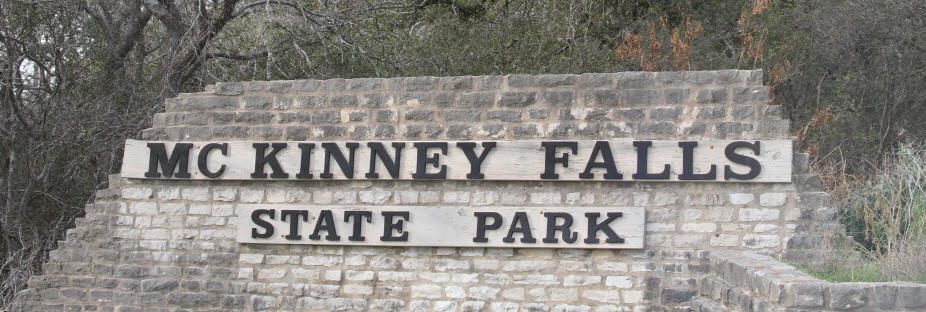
(568, 235)
(204, 156)
(421, 170)
(378, 150)
(262, 159)
(268, 227)
(754, 167)
(643, 166)
(357, 234)
(607, 163)
(346, 165)
(688, 164)
(180, 155)
(594, 226)
(549, 172)
(520, 224)
(482, 226)
(389, 226)
(325, 222)
(305, 159)
(294, 222)
(475, 162)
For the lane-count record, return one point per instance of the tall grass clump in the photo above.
(886, 216)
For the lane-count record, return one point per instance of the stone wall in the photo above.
(750, 282)
(149, 245)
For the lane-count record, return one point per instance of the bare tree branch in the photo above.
(137, 20)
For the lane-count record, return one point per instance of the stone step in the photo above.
(702, 304)
(729, 297)
(107, 193)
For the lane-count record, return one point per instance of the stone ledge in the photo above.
(723, 104)
(620, 80)
(745, 281)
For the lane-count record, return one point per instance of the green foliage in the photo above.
(864, 273)
(850, 74)
(843, 260)
(885, 219)
(856, 272)
(448, 38)
(888, 212)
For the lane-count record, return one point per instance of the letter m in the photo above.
(180, 155)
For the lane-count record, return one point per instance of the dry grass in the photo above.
(652, 49)
(885, 220)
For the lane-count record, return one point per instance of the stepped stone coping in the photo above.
(747, 281)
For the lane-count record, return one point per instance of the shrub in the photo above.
(887, 215)
(885, 219)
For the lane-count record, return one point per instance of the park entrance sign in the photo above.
(610, 160)
(592, 192)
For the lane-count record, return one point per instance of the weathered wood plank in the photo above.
(441, 226)
(508, 160)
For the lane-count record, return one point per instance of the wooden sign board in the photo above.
(574, 160)
(442, 226)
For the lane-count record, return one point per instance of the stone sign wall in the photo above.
(170, 244)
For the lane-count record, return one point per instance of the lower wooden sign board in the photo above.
(442, 226)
